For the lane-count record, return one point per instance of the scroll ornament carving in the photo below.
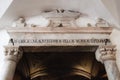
(13, 53)
(102, 23)
(107, 53)
(20, 22)
(62, 18)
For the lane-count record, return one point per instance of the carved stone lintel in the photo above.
(13, 53)
(106, 53)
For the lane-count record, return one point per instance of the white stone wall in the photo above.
(4, 38)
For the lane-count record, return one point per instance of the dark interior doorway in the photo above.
(60, 63)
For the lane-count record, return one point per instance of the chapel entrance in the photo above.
(59, 63)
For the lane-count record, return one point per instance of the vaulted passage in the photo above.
(60, 63)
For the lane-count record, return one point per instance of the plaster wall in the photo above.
(4, 4)
(4, 38)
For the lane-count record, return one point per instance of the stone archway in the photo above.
(34, 38)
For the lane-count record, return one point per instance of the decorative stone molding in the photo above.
(106, 53)
(62, 18)
(102, 23)
(13, 53)
(20, 22)
(56, 18)
(93, 36)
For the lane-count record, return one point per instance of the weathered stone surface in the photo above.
(106, 55)
(13, 53)
(60, 36)
(12, 56)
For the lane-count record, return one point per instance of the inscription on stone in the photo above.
(59, 41)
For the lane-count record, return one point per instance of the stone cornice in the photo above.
(59, 36)
(90, 30)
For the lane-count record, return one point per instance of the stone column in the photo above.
(106, 55)
(11, 58)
